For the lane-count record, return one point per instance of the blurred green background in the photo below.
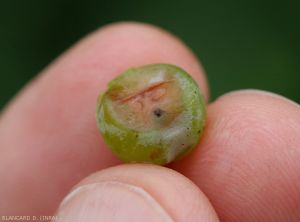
(241, 44)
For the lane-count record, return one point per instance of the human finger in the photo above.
(248, 160)
(48, 135)
(136, 193)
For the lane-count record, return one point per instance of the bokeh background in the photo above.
(241, 44)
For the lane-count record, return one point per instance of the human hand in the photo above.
(246, 167)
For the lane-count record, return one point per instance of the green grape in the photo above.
(151, 114)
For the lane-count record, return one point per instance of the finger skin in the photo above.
(248, 161)
(48, 135)
(176, 195)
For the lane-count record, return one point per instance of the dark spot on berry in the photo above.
(158, 112)
(155, 154)
(199, 131)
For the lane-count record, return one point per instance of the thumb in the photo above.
(136, 193)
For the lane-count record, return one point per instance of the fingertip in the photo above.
(137, 193)
(248, 157)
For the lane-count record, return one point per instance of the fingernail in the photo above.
(111, 201)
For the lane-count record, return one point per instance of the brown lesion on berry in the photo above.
(155, 154)
(155, 105)
(116, 92)
(154, 92)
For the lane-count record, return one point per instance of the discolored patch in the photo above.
(155, 154)
(148, 107)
